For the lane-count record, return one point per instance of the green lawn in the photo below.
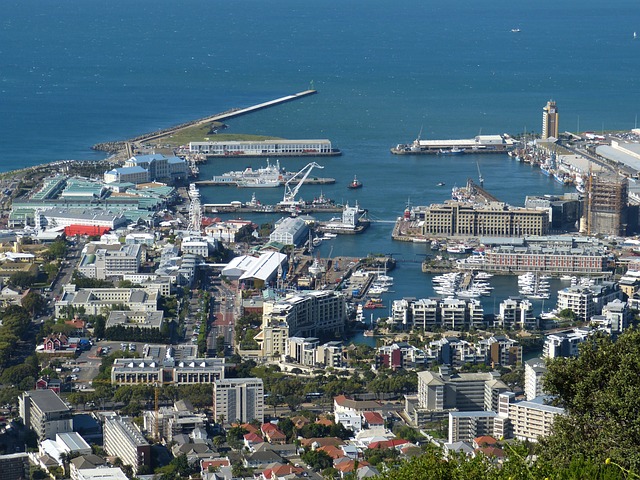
(200, 133)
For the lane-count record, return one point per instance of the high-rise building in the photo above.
(238, 400)
(534, 370)
(123, 439)
(550, 120)
(45, 413)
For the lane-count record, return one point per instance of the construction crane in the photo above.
(289, 198)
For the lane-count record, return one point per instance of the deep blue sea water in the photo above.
(77, 72)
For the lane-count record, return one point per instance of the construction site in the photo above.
(606, 209)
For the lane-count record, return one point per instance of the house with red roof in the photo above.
(333, 451)
(373, 419)
(214, 462)
(272, 433)
(55, 342)
(393, 443)
(484, 441)
(251, 440)
(279, 471)
(347, 466)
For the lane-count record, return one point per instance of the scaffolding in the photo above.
(606, 204)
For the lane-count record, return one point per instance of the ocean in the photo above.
(78, 72)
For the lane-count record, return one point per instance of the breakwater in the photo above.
(119, 145)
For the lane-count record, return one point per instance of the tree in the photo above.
(317, 459)
(600, 391)
(22, 279)
(33, 302)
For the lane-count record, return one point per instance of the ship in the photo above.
(451, 151)
(353, 221)
(355, 183)
(258, 183)
(479, 144)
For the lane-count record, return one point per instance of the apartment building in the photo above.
(439, 393)
(123, 439)
(465, 426)
(109, 262)
(565, 344)
(587, 301)
(45, 413)
(428, 314)
(303, 314)
(525, 419)
(238, 400)
(534, 370)
(516, 313)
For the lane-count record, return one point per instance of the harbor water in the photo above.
(76, 73)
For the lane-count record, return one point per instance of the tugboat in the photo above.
(355, 183)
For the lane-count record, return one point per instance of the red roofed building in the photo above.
(373, 419)
(393, 443)
(252, 439)
(278, 471)
(484, 441)
(333, 451)
(348, 466)
(215, 463)
(55, 342)
(273, 434)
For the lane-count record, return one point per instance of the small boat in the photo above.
(515, 30)
(441, 184)
(451, 151)
(317, 241)
(355, 183)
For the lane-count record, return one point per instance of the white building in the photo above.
(534, 370)
(255, 272)
(465, 426)
(64, 217)
(565, 344)
(526, 419)
(516, 313)
(449, 313)
(301, 314)
(94, 300)
(110, 262)
(290, 231)
(238, 400)
(123, 439)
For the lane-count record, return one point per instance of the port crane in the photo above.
(289, 198)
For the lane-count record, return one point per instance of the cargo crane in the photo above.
(289, 198)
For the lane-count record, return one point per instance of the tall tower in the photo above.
(550, 120)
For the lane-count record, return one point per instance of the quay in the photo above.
(308, 181)
(238, 207)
